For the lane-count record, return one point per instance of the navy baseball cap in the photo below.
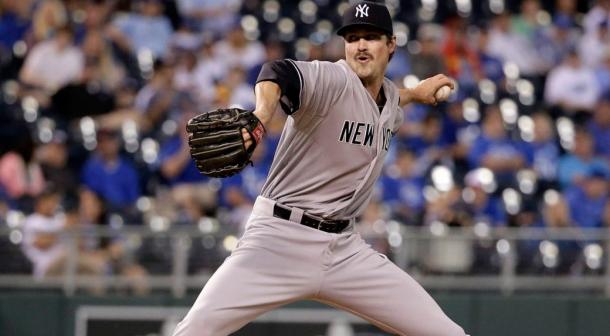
(367, 13)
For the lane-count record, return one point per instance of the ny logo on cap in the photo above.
(362, 10)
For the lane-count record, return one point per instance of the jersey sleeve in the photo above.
(312, 86)
(287, 76)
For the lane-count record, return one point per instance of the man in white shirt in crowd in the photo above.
(53, 63)
(44, 245)
(572, 86)
(41, 243)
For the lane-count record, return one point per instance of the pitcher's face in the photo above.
(367, 51)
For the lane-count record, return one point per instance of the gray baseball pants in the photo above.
(278, 262)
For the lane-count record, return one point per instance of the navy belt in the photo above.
(332, 226)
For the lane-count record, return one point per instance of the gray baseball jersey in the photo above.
(333, 147)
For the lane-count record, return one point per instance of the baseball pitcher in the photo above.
(299, 242)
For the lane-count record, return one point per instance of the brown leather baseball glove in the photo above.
(216, 140)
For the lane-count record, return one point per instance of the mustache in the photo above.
(364, 54)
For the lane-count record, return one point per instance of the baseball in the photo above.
(443, 93)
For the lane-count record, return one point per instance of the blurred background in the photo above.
(497, 201)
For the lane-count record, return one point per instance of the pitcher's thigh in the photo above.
(374, 288)
(240, 290)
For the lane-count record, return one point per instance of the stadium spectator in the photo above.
(429, 59)
(461, 60)
(235, 50)
(545, 149)
(192, 194)
(210, 67)
(427, 143)
(111, 249)
(587, 200)
(189, 79)
(445, 253)
(53, 63)
(96, 17)
(556, 214)
(15, 22)
(599, 13)
(53, 158)
(521, 53)
(234, 91)
(566, 9)
(402, 188)
(526, 23)
(528, 27)
(45, 246)
(491, 66)
(41, 234)
(110, 175)
(100, 78)
(124, 109)
(558, 40)
(89, 212)
(575, 165)
(447, 208)
(458, 134)
(571, 87)
(480, 205)
(493, 149)
(143, 31)
(21, 177)
(157, 101)
(48, 18)
(528, 249)
(555, 211)
(109, 73)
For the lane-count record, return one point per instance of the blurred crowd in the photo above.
(94, 96)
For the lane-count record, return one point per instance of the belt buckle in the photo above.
(330, 226)
(319, 225)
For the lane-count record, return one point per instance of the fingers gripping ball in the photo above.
(443, 93)
(216, 140)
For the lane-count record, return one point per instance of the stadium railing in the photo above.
(477, 258)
